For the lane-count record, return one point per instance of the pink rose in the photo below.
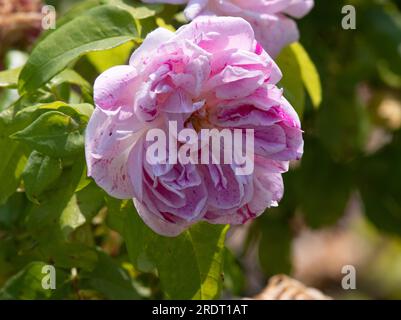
(270, 19)
(211, 73)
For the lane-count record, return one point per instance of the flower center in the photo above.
(200, 119)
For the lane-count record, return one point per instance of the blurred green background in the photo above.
(343, 202)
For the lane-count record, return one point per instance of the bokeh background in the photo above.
(342, 204)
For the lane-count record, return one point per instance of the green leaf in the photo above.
(90, 200)
(45, 217)
(109, 279)
(144, 10)
(275, 246)
(7, 98)
(379, 183)
(12, 210)
(54, 134)
(39, 173)
(71, 218)
(138, 237)
(234, 277)
(70, 209)
(324, 191)
(82, 207)
(71, 77)
(292, 79)
(115, 219)
(343, 127)
(12, 163)
(309, 73)
(84, 181)
(13, 156)
(384, 25)
(139, 11)
(20, 102)
(50, 222)
(105, 59)
(13, 62)
(190, 265)
(70, 255)
(163, 24)
(100, 28)
(29, 114)
(9, 78)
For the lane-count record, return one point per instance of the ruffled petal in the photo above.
(214, 34)
(107, 147)
(267, 190)
(166, 1)
(158, 224)
(151, 42)
(114, 88)
(194, 8)
(226, 189)
(281, 32)
(299, 8)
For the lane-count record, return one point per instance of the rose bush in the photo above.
(210, 73)
(52, 213)
(270, 19)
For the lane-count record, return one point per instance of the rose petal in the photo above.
(151, 42)
(107, 149)
(215, 33)
(114, 88)
(159, 225)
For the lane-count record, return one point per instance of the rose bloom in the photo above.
(211, 73)
(270, 19)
